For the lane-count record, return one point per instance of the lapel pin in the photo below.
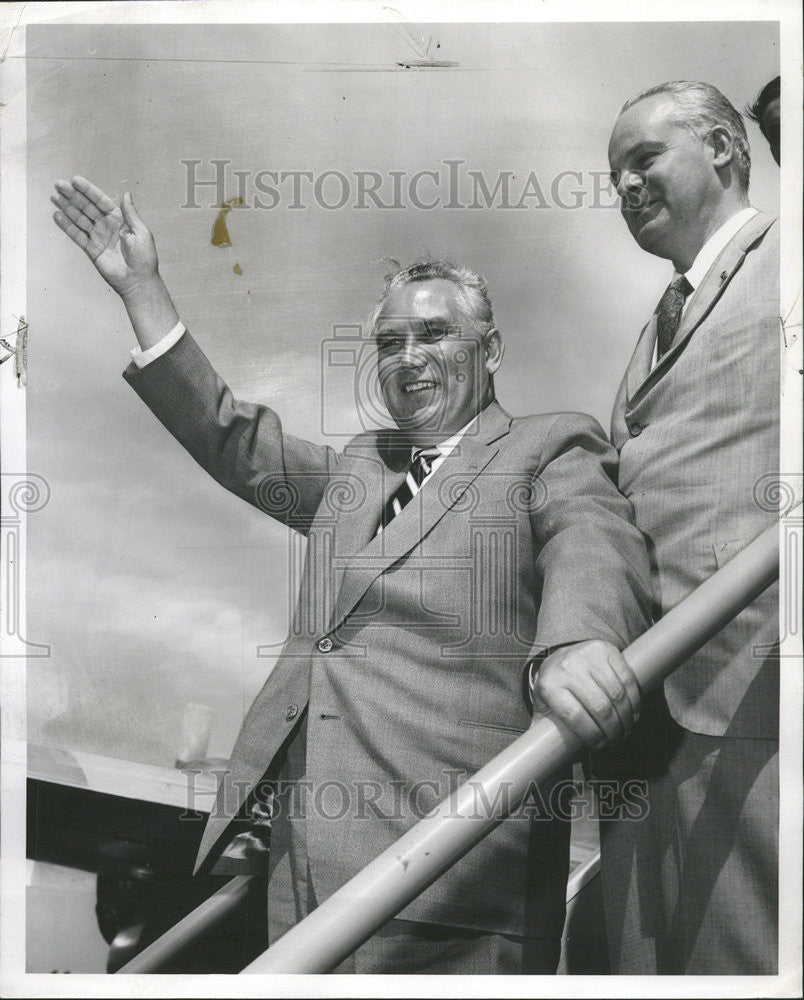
(724, 275)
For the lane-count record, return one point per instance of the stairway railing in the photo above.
(384, 887)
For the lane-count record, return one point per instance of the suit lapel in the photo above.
(440, 493)
(703, 300)
(372, 473)
(639, 365)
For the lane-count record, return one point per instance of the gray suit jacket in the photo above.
(403, 670)
(698, 439)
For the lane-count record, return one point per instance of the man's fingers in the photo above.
(540, 706)
(77, 235)
(618, 665)
(65, 193)
(73, 197)
(89, 208)
(130, 216)
(74, 214)
(65, 187)
(572, 711)
(590, 687)
(94, 194)
(609, 715)
(582, 705)
(617, 704)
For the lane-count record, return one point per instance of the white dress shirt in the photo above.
(708, 254)
(142, 358)
(444, 449)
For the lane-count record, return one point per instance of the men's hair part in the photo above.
(772, 91)
(700, 107)
(472, 290)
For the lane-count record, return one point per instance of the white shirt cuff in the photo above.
(143, 358)
(533, 670)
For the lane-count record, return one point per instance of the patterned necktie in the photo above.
(669, 313)
(419, 469)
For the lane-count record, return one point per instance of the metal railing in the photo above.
(384, 887)
(201, 920)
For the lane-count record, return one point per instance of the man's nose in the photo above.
(631, 187)
(412, 353)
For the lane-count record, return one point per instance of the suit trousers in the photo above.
(401, 946)
(692, 888)
(413, 947)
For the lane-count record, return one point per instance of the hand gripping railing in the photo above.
(385, 886)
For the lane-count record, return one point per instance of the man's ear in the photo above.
(722, 142)
(495, 348)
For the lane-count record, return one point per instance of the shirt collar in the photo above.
(451, 443)
(710, 251)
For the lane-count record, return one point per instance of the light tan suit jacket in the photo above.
(403, 670)
(698, 438)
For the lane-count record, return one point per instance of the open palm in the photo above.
(113, 237)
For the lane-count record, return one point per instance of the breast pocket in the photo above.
(726, 551)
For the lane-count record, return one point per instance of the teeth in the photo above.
(416, 386)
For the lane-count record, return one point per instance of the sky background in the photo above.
(152, 585)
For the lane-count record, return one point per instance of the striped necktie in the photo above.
(668, 313)
(419, 469)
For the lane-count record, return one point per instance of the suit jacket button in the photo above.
(635, 430)
(291, 712)
(325, 644)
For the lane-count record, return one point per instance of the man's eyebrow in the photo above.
(642, 146)
(403, 319)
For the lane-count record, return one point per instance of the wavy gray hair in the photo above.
(473, 293)
(701, 107)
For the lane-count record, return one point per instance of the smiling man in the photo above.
(692, 888)
(442, 558)
(436, 352)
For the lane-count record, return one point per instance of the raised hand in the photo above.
(114, 237)
(121, 247)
